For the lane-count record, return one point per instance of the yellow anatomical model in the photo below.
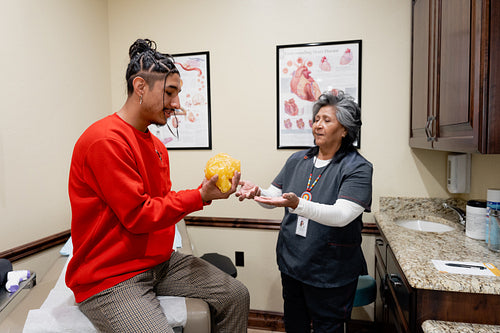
(224, 166)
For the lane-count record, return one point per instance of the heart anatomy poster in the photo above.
(189, 127)
(304, 72)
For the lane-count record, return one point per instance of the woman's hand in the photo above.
(209, 190)
(286, 200)
(247, 190)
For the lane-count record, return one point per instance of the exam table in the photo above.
(59, 312)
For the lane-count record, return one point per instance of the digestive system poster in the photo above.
(192, 120)
(304, 72)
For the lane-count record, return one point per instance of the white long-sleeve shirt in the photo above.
(340, 214)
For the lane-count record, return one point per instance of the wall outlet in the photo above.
(240, 258)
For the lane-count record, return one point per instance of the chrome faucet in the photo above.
(460, 212)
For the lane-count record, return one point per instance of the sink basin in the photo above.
(422, 225)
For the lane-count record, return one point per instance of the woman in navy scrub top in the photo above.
(324, 190)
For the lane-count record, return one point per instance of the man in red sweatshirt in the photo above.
(124, 214)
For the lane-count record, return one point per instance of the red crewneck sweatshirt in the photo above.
(123, 209)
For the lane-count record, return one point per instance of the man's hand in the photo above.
(209, 191)
(247, 190)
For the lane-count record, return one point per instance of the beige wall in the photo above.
(55, 81)
(64, 63)
(241, 37)
(260, 273)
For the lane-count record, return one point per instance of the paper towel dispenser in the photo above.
(459, 173)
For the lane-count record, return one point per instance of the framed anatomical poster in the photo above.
(304, 72)
(190, 126)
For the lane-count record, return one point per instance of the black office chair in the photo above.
(221, 262)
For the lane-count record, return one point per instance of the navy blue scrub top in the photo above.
(328, 256)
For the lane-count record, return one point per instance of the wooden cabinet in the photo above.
(393, 310)
(380, 300)
(401, 308)
(455, 75)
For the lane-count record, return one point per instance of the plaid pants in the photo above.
(131, 306)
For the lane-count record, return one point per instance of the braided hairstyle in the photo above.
(148, 63)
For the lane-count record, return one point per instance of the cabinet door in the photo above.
(493, 123)
(399, 298)
(421, 112)
(380, 301)
(449, 76)
(394, 322)
(385, 305)
(454, 87)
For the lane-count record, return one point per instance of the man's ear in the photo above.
(139, 85)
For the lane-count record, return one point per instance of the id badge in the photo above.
(301, 229)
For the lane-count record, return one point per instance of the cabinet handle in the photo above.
(428, 128)
(395, 280)
(379, 242)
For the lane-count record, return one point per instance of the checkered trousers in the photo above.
(132, 306)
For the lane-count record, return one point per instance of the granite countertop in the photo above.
(436, 326)
(415, 250)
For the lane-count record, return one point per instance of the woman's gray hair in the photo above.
(347, 110)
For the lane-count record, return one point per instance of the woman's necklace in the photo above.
(307, 193)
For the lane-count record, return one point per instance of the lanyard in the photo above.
(307, 193)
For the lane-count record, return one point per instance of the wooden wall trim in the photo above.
(218, 222)
(370, 228)
(266, 320)
(273, 321)
(36, 246)
(230, 222)
(247, 223)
